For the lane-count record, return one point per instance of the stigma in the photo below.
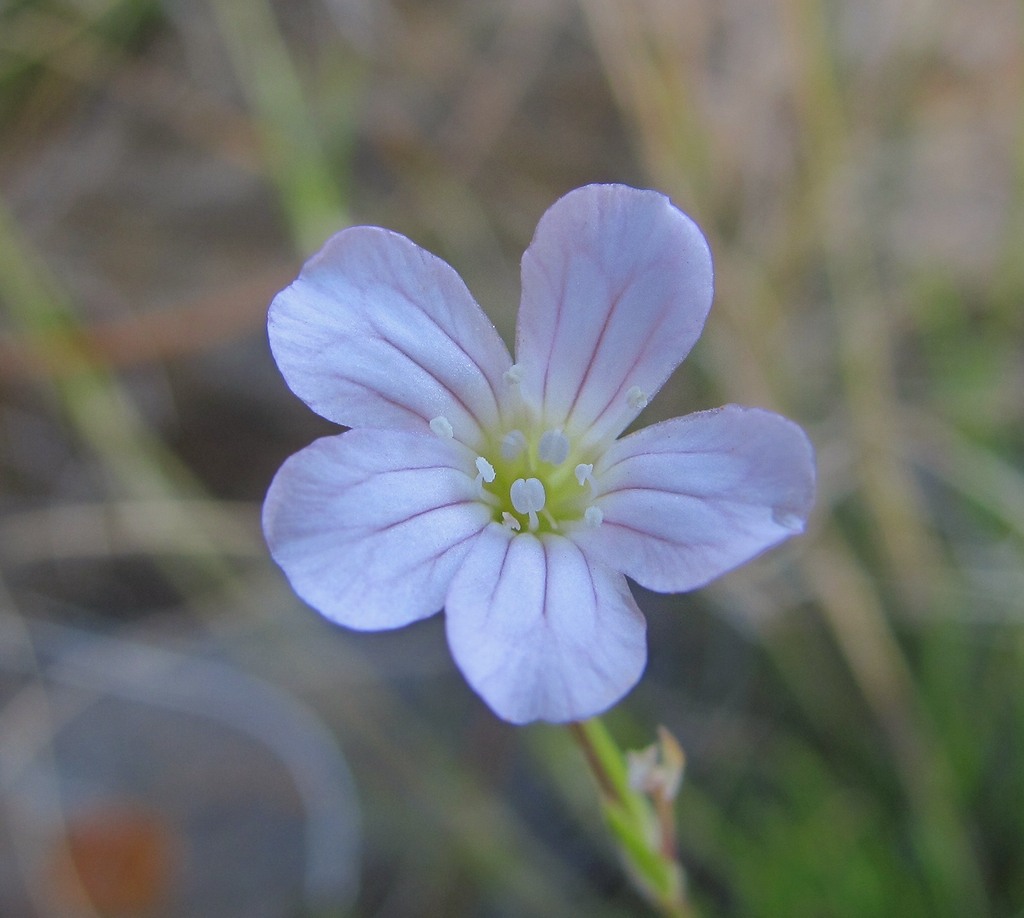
(528, 496)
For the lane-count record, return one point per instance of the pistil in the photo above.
(528, 496)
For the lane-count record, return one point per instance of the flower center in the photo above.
(534, 481)
(532, 477)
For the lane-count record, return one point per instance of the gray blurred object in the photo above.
(222, 795)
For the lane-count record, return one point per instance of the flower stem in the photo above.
(642, 818)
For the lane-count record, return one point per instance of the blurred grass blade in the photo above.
(308, 188)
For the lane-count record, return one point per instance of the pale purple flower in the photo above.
(499, 490)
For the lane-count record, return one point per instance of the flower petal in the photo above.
(377, 332)
(689, 499)
(617, 284)
(370, 525)
(541, 633)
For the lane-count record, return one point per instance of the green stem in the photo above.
(644, 828)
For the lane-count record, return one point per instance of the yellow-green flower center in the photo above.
(532, 476)
(535, 481)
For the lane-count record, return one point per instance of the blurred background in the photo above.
(180, 736)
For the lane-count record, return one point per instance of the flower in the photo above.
(500, 490)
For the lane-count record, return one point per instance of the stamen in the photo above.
(509, 521)
(593, 516)
(442, 427)
(485, 471)
(528, 497)
(512, 444)
(553, 447)
(637, 398)
(514, 375)
(585, 473)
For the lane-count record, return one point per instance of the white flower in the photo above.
(499, 490)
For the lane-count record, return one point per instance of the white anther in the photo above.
(509, 521)
(485, 471)
(512, 444)
(593, 516)
(528, 497)
(442, 427)
(553, 447)
(637, 398)
(585, 473)
(514, 375)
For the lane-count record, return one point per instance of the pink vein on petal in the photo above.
(447, 388)
(472, 360)
(558, 323)
(435, 558)
(701, 498)
(417, 515)
(637, 360)
(497, 580)
(595, 349)
(544, 588)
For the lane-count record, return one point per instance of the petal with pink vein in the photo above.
(617, 284)
(377, 332)
(686, 500)
(540, 632)
(369, 526)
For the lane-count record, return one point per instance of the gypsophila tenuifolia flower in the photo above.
(500, 490)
